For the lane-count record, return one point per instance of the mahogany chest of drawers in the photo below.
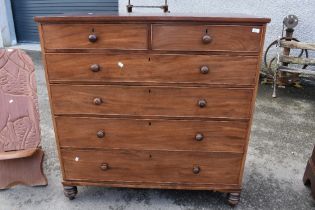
(152, 101)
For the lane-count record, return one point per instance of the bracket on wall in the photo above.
(163, 7)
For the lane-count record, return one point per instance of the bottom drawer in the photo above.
(152, 166)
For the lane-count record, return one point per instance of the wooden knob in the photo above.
(97, 101)
(100, 134)
(92, 38)
(95, 67)
(196, 169)
(202, 103)
(199, 137)
(204, 69)
(206, 39)
(104, 166)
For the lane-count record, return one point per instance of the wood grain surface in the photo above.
(127, 107)
(109, 36)
(151, 134)
(152, 68)
(154, 166)
(101, 17)
(189, 38)
(151, 101)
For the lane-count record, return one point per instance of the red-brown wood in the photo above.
(190, 38)
(100, 17)
(154, 166)
(151, 101)
(152, 68)
(23, 170)
(19, 118)
(157, 84)
(150, 134)
(17, 154)
(109, 36)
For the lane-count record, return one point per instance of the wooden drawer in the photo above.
(198, 69)
(148, 134)
(190, 38)
(151, 166)
(151, 101)
(108, 36)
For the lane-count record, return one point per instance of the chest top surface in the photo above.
(224, 18)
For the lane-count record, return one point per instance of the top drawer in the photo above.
(206, 38)
(100, 36)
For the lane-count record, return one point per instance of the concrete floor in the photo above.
(281, 142)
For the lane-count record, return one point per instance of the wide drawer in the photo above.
(149, 134)
(206, 38)
(198, 69)
(106, 36)
(151, 101)
(152, 166)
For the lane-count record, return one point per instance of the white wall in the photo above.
(7, 34)
(274, 9)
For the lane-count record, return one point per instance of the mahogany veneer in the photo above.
(152, 101)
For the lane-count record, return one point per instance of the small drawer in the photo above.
(206, 38)
(147, 134)
(193, 69)
(152, 166)
(99, 36)
(152, 101)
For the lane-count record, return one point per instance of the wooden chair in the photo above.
(20, 155)
(283, 61)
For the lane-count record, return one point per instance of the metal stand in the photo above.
(163, 7)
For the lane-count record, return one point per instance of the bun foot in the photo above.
(233, 198)
(70, 192)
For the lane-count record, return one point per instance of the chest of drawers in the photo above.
(152, 101)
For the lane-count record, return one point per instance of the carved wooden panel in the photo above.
(19, 117)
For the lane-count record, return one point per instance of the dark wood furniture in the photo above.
(152, 101)
(309, 175)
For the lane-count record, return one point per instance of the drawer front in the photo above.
(151, 134)
(106, 36)
(206, 38)
(198, 69)
(152, 166)
(151, 101)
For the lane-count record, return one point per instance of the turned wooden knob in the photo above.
(97, 101)
(95, 67)
(196, 170)
(92, 38)
(104, 166)
(199, 137)
(100, 134)
(206, 39)
(204, 69)
(202, 103)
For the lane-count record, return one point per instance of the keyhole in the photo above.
(149, 123)
(93, 30)
(149, 59)
(149, 90)
(150, 156)
(206, 31)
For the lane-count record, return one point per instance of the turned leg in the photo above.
(70, 192)
(233, 198)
